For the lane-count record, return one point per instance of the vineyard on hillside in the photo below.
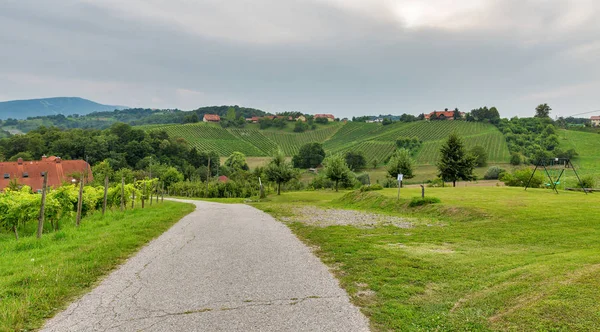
(377, 142)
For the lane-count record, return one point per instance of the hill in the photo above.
(376, 141)
(22, 109)
(586, 145)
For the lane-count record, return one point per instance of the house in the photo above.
(329, 117)
(253, 119)
(443, 115)
(223, 179)
(30, 173)
(595, 121)
(301, 118)
(211, 118)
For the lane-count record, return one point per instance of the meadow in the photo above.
(39, 277)
(494, 258)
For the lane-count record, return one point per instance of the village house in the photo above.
(211, 118)
(301, 118)
(442, 115)
(253, 119)
(329, 117)
(595, 121)
(31, 173)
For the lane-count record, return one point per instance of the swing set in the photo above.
(554, 169)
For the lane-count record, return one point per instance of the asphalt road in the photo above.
(221, 268)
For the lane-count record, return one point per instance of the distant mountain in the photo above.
(22, 109)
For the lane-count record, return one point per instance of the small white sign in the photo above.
(400, 177)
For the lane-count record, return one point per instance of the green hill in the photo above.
(21, 109)
(587, 146)
(376, 141)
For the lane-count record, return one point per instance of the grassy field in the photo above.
(588, 147)
(378, 142)
(40, 277)
(482, 259)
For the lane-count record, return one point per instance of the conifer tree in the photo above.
(455, 163)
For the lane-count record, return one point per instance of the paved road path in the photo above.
(221, 268)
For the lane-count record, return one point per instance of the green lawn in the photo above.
(40, 277)
(494, 258)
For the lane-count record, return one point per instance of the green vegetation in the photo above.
(481, 259)
(455, 163)
(310, 155)
(39, 277)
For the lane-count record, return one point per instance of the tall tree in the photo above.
(480, 155)
(279, 170)
(336, 169)
(355, 160)
(401, 163)
(309, 156)
(542, 111)
(237, 162)
(455, 163)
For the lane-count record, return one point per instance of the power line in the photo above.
(573, 115)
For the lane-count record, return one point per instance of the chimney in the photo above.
(58, 160)
(20, 161)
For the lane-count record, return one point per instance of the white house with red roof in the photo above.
(595, 121)
(442, 115)
(211, 118)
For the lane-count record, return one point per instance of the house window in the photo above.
(6, 176)
(25, 175)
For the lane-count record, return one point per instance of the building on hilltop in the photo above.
(301, 118)
(31, 173)
(211, 118)
(443, 115)
(595, 121)
(329, 117)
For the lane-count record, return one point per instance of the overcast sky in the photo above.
(347, 57)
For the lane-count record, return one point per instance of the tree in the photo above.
(374, 163)
(171, 176)
(279, 170)
(456, 114)
(300, 127)
(455, 163)
(542, 111)
(480, 155)
(355, 160)
(309, 156)
(191, 118)
(401, 163)
(336, 169)
(237, 162)
(386, 121)
(322, 120)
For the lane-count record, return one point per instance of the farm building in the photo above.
(442, 115)
(30, 173)
(595, 121)
(211, 118)
(329, 117)
(253, 119)
(301, 118)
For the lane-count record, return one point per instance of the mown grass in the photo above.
(40, 277)
(482, 259)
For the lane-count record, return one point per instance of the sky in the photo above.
(346, 57)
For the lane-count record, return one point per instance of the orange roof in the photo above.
(212, 117)
(29, 173)
(447, 114)
(330, 116)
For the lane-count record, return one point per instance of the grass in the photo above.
(40, 277)
(482, 259)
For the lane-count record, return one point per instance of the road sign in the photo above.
(400, 177)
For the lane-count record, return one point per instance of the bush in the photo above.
(418, 201)
(363, 178)
(519, 178)
(588, 182)
(493, 173)
(515, 159)
(371, 187)
(480, 155)
(436, 183)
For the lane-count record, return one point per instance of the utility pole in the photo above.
(207, 177)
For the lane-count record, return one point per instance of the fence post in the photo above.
(162, 192)
(151, 192)
(133, 200)
(422, 191)
(40, 228)
(105, 194)
(144, 194)
(79, 202)
(122, 193)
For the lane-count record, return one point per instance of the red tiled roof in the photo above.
(59, 171)
(595, 118)
(212, 117)
(223, 179)
(330, 116)
(446, 114)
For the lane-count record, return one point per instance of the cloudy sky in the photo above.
(348, 57)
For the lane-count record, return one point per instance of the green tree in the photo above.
(171, 176)
(455, 163)
(237, 162)
(355, 160)
(542, 111)
(336, 169)
(480, 155)
(191, 118)
(309, 156)
(279, 170)
(401, 163)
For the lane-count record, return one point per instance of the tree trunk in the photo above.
(133, 201)
(278, 188)
(40, 228)
(16, 232)
(454, 183)
(336, 186)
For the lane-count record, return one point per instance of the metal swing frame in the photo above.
(566, 164)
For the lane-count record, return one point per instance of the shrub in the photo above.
(493, 173)
(588, 181)
(519, 178)
(515, 159)
(418, 201)
(363, 178)
(371, 187)
(436, 183)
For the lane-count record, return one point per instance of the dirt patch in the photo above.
(314, 216)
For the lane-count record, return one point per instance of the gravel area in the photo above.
(315, 216)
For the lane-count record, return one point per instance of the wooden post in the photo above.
(398, 190)
(144, 194)
(422, 191)
(40, 228)
(151, 192)
(162, 192)
(207, 177)
(105, 195)
(133, 200)
(79, 202)
(122, 193)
